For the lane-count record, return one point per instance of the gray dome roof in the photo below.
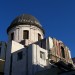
(24, 19)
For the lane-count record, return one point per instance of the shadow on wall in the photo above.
(21, 63)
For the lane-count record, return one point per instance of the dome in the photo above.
(25, 19)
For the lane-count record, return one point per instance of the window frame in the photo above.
(39, 36)
(25, 34)
(12, 36)
(42, 55)
(63, 52)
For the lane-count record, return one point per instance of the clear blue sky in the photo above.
(56, 16)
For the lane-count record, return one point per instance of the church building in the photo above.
(28, 52)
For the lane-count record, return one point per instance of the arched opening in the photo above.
(12, 36)
(63, 52)
(39, 37)
(25, 34)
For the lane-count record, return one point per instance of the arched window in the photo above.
(25, 34)
(63, 53)
(39, 37)
(12, 36)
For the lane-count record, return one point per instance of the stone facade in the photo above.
(28, 52)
